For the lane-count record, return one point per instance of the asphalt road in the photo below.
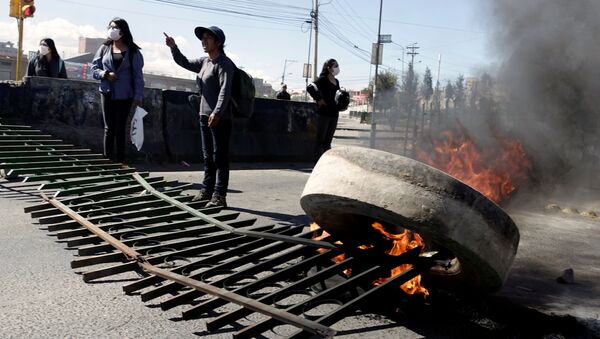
(42, 297)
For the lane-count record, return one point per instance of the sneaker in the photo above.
(217, 200)
(204, 194)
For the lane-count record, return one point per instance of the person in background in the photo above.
(47, 62)
(283, 94)
(214, 80)
(118, 65)
(323, 92)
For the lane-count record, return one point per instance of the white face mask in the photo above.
(44, 49)
(335, 71)
(114, 34)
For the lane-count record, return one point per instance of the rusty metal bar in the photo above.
(249, 245)
(295, 240)
(92, 180)
(243, 248)
(64, 176)
(293, 270)
(133, 255)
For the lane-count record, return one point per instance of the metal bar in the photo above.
(292, 319)
(59, 169)
(295, 240)
(136, 206)
(117, 256)
(294, 253)
(46, 152)
(192, 232)
(147, 217)
(36, 148)
(28, 142)
(212, 259)
(225, 266)
(93, 180)
(42, 158)
(101, 187)
(26, 137)
(252, 244)
(52, 164)
(50, 177)
(295, 269)
(92, 205)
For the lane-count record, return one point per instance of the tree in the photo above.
(409, 87)
(459, 93)
(386, 89)
(427, 85)
(449, 93)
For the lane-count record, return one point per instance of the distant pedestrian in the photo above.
(323, 91)
(214, 80)
(118, 65)
(283, 93)
(47, 62)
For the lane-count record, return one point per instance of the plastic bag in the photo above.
(137, 127)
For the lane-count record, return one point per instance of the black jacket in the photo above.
(324, 89)
(39, 67)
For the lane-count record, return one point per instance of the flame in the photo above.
(339, 258)
(495, 174)
(403, 242)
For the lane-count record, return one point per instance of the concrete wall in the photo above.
(70, 110)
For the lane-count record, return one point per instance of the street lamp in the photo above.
(284, 67)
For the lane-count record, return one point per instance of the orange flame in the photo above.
(494, 174)
(403, 242)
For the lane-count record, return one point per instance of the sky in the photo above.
(264, 37)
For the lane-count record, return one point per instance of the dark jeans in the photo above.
(215, 150)
(114, 113)
(326, 126)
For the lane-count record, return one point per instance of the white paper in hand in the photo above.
(137, 127)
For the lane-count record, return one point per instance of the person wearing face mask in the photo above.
(323, 91)
(214, 79)
(47, 62)
(118, 65)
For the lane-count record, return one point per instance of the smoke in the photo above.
(550, 77)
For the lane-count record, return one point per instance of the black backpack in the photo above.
(242, 93)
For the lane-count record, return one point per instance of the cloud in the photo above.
(64, 33)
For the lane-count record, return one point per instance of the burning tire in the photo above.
(352, 187)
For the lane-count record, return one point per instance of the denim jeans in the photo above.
(215, 151)
(114, 113)
(326, 126)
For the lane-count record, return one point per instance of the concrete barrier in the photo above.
(70, 110)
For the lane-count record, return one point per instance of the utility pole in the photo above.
(373, 124)
(284, 67)
(412, 52)
(18, 72)
(315, 20)
(306, 71)
(438, 72)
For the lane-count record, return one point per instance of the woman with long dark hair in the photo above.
(118, 65)
(47, 62)
(323, 91)
(214, 79)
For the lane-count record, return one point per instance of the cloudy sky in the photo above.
(262, 35)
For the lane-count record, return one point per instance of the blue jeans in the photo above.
(326, 126)
(215, 151)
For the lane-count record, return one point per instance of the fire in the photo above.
(496, 174)
(402, 242)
